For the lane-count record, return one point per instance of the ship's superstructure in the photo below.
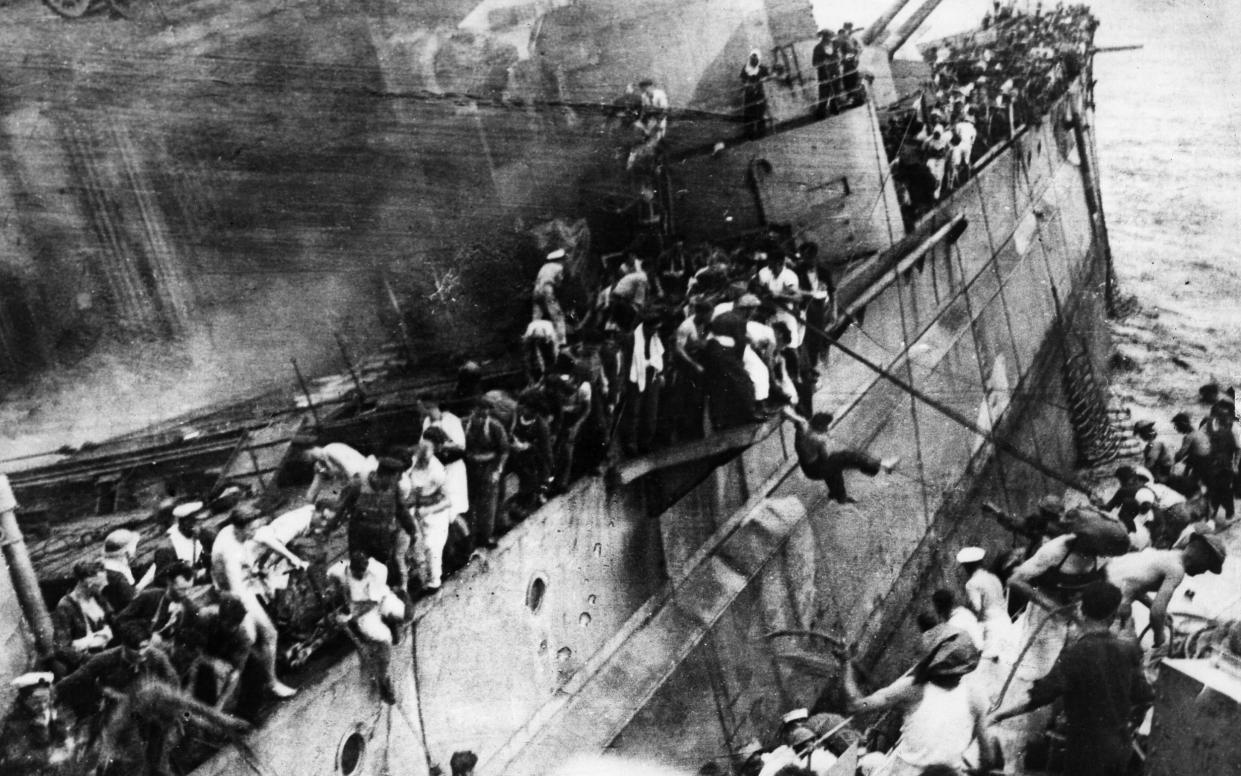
(667, 610)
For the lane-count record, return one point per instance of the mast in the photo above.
(910, 26)
(875, 32)
(25, 581)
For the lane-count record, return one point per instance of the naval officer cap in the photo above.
(556, 255)
(971, 555)
(186, 509)
(122, 540)
(796, 715)
(32, 679)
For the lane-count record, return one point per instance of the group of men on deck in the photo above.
(1073, 646)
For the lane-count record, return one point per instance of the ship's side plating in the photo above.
(985, 326)
(639, 618)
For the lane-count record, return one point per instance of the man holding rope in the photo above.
(1053, 580)
(945, 710)
(1099, 679)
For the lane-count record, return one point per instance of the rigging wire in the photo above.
(950, 413)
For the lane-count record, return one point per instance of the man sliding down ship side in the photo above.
(820, 460)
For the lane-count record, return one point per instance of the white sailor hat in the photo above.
(971, 554)
(796, 715)
(32, 679)
(1142, 471)
(556, 255)
(120, 541)
(186, 509)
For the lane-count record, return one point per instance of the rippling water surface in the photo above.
(1169, 118)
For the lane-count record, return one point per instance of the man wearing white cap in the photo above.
(181, 544)
(119, 548)
(791, 720)
(985, 594)
(183, 533)
(35, 739)
(546, 294)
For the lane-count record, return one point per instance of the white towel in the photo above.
(642, 359)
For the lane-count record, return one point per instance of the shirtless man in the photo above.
(336, 465)
(1140, 575)
(1054, 576)
(269, 547)
(232, 571)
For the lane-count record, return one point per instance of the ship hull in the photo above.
(639, 618)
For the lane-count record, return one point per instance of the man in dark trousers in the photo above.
(1156, 455)
(820, 462)
(487, 446)
(1221, 429)
(826, 62)
(1100, 682)
(1195, 451)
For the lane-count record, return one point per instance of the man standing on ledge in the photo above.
(1099, 678)
(826, 62)
(486, 450)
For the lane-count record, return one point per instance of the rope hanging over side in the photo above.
(1097, 441)
(952, 414)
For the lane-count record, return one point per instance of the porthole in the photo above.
(535, 594)
(352, 752)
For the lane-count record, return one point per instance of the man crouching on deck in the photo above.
(1158, 573)
(375, 614)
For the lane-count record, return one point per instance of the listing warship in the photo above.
(673, 608)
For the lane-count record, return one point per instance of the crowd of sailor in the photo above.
(982, 89)
(1077, 609)
(142, 657)
(664, 334)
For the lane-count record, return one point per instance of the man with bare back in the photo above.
(1158, 573)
